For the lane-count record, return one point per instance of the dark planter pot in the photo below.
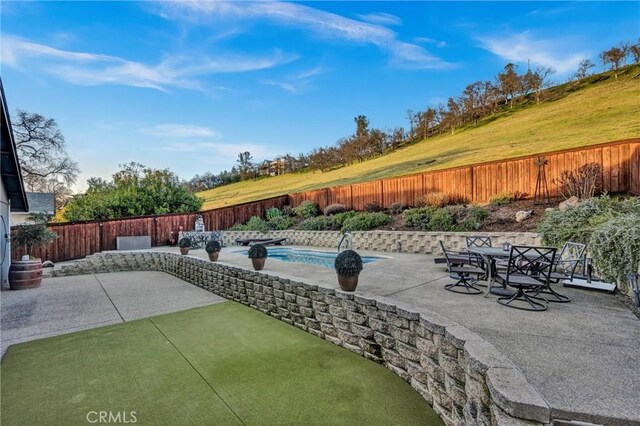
(24, 274)
(184, 250)
(258, 264)
(214, 256)
(348, 282)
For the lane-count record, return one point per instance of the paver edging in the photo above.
(464, 378)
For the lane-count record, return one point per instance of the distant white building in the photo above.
(13, 198)
(39, 202)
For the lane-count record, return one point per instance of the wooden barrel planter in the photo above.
(25, 274)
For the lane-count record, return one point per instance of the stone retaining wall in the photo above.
(389, 241)
(464, 378)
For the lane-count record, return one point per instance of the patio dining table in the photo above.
(489, 254)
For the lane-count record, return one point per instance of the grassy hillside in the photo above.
(595, 110)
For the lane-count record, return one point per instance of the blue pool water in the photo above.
(312, 257)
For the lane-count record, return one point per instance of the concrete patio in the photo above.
(581, 356)
(65, 305)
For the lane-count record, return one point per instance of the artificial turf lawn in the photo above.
(221, 365)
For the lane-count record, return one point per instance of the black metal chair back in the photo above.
(571, 255)
(478, 242)
(536, 262)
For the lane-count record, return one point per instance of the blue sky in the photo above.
(188, 85)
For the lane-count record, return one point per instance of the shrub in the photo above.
(253, 224)
(35, 233)
(396, 208)
(336, 208)
(320, 223)
(417, 217)
(433, 199)
(184, 242)
(306, 209)
(365, 221)
(280, 223)
(583, 182)
(348, 263)
(615, 246)
(213, 246)
(273, 213)
(440, 220)
(256, 224)
(287, 211)
(257, 251)
(338, 219)
(577, 223)
(372, 207)
(450, 218)
(502, 199)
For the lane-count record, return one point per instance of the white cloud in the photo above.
(180, 131)
(519, 48)
(91, 69)
(381, 18)
(222, 151)
(296, 83)
(438, 43)
(325, 24)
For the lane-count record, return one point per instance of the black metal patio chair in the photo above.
(528, 271)
(463, 273)
(564, 267)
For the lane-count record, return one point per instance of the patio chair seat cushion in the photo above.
(521, 280)
(466, 270)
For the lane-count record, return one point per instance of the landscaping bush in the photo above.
(213, 246)
(417, 217)
(396, 208)
(507, 198)
(254, 224)
(184, 242)
(338, 219)
(306, 210)
(615, 246)
(583, 182)
(273, 213)
(287, 211)
(578, 223)
(336, 208)
(365, 221)
(257, 251)
(348, 263)
(501, 199)
(433, 199)
(445, 219)
(320, 223)
(372, 208)
(280, 223)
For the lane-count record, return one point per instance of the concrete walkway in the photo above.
(582, 356)
(65, 305)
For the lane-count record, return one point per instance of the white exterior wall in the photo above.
(5, 242)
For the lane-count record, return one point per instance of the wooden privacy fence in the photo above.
(620, 163)
(477, 183)
(77, 240)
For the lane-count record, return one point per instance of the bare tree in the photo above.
(634, 49)
(535, 81)
(615, 56)
(583, 68)
(246, 166)
(510, 83)
(45, 164)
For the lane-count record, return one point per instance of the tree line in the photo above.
(478, 100)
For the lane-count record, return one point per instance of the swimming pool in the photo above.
(311, 257)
